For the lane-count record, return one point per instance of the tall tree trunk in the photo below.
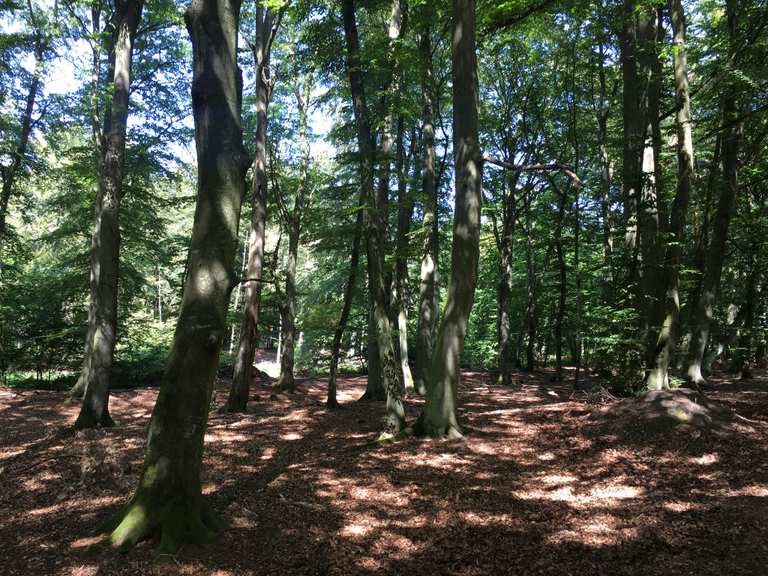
(395, 412)
(531, 314)
(606, 177)
(561, 288)
(732, 131)
(633, 143)
(266, 29)
(504, 328)
(429, 296)
(286, 379)
(105, 243)
(439, 416)
(404, 217)
(651, 212)
(168, 497)
(658, 376)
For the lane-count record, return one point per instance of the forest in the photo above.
(383, 287)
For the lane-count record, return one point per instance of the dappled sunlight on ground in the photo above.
(533, 489)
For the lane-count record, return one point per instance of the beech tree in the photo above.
(168, 499)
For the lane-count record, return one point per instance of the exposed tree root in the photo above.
(178, 522)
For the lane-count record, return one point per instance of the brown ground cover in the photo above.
(540, 486)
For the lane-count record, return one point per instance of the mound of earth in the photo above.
(661, 412)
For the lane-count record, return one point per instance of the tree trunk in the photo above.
(561, 288)
(349, 290)
(633, 142)
(395, 412)
(658, 376)
(429, 296)
(286, 379)
(266, 28)
(651, 213)
(732, 131)
(10, 173)
(404, 217)
(606, 177)
(168, 498)
(504, 329)
(439, 416)
(105, 243)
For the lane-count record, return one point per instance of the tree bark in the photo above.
(439, 417)
(732, 133)
(658, 375)
(286, 379)
(105, 241)
(504, 328)
(404, 217)
(395, 412)
(429, 294)
(561, 286)
(168, 497)
(266, 29)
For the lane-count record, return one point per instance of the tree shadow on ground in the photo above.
(308, 491)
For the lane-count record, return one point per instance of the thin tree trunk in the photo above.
(429, 296)
(606, 177)
(349, 290)
(168, 497)
(266, 29)
(404, 217)
(105, 249)
(561, 288)
(439, 417)
(395, 412)
(658, 376)
(504, 329)
(716, 255)
(286, 379)
(10, 173)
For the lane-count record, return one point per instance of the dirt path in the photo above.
(305, 491)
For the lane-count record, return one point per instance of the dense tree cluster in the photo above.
(400, 187)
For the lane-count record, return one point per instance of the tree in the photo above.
(439, 416)
(395, 413)
(105, 243)
(267, 24)
(168, 497)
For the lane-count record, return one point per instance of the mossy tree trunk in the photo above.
(439, 417)
(96, 373)
(168, 497)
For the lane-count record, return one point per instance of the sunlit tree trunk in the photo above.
(429, 296)
(168, 497)
(395, 412)
(439, 417)
(658, 375)
(561, 286)
(266, 29)
(105, 241)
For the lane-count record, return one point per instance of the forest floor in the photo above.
(537, 487)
